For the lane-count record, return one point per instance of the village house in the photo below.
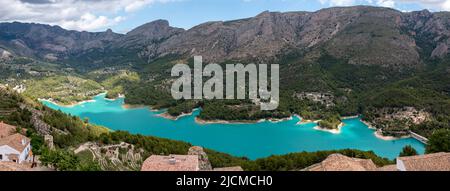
(326, 99)
(14, 147)
(428, 162)
(195, 160)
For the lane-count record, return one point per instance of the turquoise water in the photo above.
(250, 140)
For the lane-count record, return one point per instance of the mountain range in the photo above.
(369, 59)
(361, 35)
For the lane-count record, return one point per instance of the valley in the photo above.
(390, 68)
(252, 140)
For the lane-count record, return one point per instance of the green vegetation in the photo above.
(293, 161)
(439, 141)
(408, 150)
(75, 130)
(63, 89)
(87, 161)
(184, 107)
(357, 89)
(148, 94)
(116, 83)
(330, 122)
(11, 112)
(64, 160)
(60, 159)
(151, 145)
(26, 68)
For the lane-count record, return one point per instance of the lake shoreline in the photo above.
(139, 106)
(378, 133)
(75, 103)
(237, 122)
(50, 100)
(287, 137)
(166, 115)
(333, 131)
(207, 122)
(198, 120)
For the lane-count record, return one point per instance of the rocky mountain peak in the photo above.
(263, 14)
(40, 40)
(155, 29)
(148, 34)
(423, 13)
(360, 35)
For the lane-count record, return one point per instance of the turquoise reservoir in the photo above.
(251, 140)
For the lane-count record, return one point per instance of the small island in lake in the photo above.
(331, 124)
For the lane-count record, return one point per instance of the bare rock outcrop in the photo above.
(204, 164)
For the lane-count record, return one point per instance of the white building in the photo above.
(15, 148)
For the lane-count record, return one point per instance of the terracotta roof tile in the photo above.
(12, 166)
(171, 163)
(429, 162)
(388, 168)
(15, 141)
(338, 162)
(6, 130)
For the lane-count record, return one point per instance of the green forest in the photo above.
(78, 131)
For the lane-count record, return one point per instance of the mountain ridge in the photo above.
(361, 35)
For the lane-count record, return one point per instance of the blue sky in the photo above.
(124, 15)
(188, 13)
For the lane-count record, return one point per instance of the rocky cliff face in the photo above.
(148, 34)
(360, 35)
(431, 31)
(50, 42)
(261, 36)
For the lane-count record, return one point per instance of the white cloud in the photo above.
(71, 14)
(338, 2)
(437, 5)
(386, 3)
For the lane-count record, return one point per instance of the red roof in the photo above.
(6, 130)
(16, 141)
(429, 162)
(171, 163)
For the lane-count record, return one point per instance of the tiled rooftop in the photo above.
(338, 162)
(12, 166)
(171, 163)
(15, 141)
(6, 130)
(429, 162)
(392, 167)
